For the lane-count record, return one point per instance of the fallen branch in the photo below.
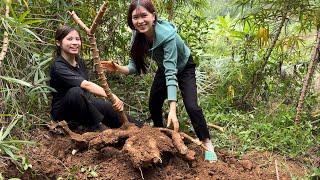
(216, 127)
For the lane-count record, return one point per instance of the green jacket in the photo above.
(170, 53)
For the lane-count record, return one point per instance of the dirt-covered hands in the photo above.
(110, 66)
(172, 116)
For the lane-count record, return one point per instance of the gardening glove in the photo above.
(118, 104)
(110, 66)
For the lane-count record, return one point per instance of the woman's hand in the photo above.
(172, 117)
(110, 66)
(118, 104)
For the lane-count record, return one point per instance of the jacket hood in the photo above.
(164, 31)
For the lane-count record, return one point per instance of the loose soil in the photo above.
(55, 157)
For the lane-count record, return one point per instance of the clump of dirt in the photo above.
(59, 156)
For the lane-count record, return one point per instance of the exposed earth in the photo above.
(57, 155)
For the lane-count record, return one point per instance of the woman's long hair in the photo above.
(140, 45)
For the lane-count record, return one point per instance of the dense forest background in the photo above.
(257, 75)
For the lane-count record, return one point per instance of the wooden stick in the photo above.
(216, 127)
(98, 17)
(79, 22)
(5, 44)
(277, 171)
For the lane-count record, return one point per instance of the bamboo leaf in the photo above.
(9, 152)
(23, 16)
(36, 21)
(5, 144)
(8, 129)
(17, 81)
(32, 33)
(18, 142)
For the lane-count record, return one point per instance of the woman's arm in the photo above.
(111, 66)
(99, 91)
(93, 88)
(172, 116)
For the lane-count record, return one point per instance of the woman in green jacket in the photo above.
(159, 40)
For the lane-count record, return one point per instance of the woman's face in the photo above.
(70, 44)
(143, 20)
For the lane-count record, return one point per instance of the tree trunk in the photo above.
(258, 76)
(307, 79)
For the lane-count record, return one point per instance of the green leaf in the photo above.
(3, 144)
(7, 131)
(18, 142)
(35, 21)
(17, 81)
(9, 153)
(32, 33)
(23, 16)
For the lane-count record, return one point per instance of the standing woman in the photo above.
(159, 40)
(73, 100)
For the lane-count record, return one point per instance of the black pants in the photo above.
(79, 107)
(188, 88)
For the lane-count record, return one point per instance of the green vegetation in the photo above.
(233, 42)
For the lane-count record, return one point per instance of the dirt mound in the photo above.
(55, 156)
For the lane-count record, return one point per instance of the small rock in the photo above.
(74, 151)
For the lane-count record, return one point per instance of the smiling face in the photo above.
(70, 44)
(143, 20)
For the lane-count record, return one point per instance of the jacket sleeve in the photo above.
(132, 67)
(170, 68)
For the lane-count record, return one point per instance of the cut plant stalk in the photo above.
(96, 57)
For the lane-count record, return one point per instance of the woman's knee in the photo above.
(75, 92)
(74, 95)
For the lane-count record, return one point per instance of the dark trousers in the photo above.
(79, 107)
(187, 85)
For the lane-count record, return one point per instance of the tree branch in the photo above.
(259, 73)
(79, 22)
(307, 79)
(98, 17)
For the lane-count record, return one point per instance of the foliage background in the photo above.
(229, 40)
